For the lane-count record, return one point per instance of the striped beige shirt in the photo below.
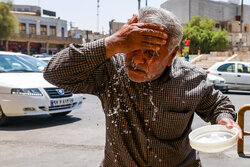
(147, 123)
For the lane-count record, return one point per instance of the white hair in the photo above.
(165, 19)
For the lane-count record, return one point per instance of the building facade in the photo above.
(85, 35)
(37, 34)
(237, 39)
(114, 26)
(226, 14)
(216, 10)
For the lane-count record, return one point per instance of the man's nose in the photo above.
(139, 58)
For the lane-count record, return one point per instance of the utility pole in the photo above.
(146, 2)
(139, 4)
(97, 28)
(189, 10)
(241, 22)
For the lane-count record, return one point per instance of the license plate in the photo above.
(61, 102)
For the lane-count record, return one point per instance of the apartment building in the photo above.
(226, 14)
(38, 34)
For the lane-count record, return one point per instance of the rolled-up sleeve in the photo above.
(78, 68)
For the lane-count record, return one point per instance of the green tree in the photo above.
(8, 22)
(220, 39)
(203, 36)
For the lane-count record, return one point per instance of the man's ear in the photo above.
(172, 56)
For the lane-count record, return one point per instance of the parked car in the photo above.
(45, 59)
(34, 61)
(24, 91)
(236, 74)
(41, 55)
(218, 82)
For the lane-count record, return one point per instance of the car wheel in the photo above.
(2, 117)
(60, 114)
(225, 91)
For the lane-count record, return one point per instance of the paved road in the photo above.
(78, 140)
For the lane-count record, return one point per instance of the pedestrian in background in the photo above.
(149, 96)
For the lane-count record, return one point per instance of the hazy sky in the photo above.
(83, 13)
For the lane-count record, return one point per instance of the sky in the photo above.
(83, 13)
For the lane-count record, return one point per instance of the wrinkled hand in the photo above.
(230, 124)
(134, 36)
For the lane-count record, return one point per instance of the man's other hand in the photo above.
(230, 124)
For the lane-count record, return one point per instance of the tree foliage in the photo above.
(203, 36)
(8, 22)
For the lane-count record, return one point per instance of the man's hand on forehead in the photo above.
(135, 36)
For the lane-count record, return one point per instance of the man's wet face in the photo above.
(146, 65)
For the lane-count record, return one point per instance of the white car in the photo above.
(34, 61)
(236, 74)
(24, 91)
(44, 59)
(218, 82)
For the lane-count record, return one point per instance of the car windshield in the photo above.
(34, 61)
(12, 63)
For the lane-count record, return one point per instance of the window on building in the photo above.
(32, 28)
(62, 31)
(245, 29)
(52, 31)
(22, 28)
(217, 25)
(43, 30)
(230, 28)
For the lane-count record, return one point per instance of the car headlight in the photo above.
(27, 91)
(216, 81)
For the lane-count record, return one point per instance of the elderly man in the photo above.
(149, 96)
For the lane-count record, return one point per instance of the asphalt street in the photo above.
(78, 139)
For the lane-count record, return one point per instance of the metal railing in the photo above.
(241, 113)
